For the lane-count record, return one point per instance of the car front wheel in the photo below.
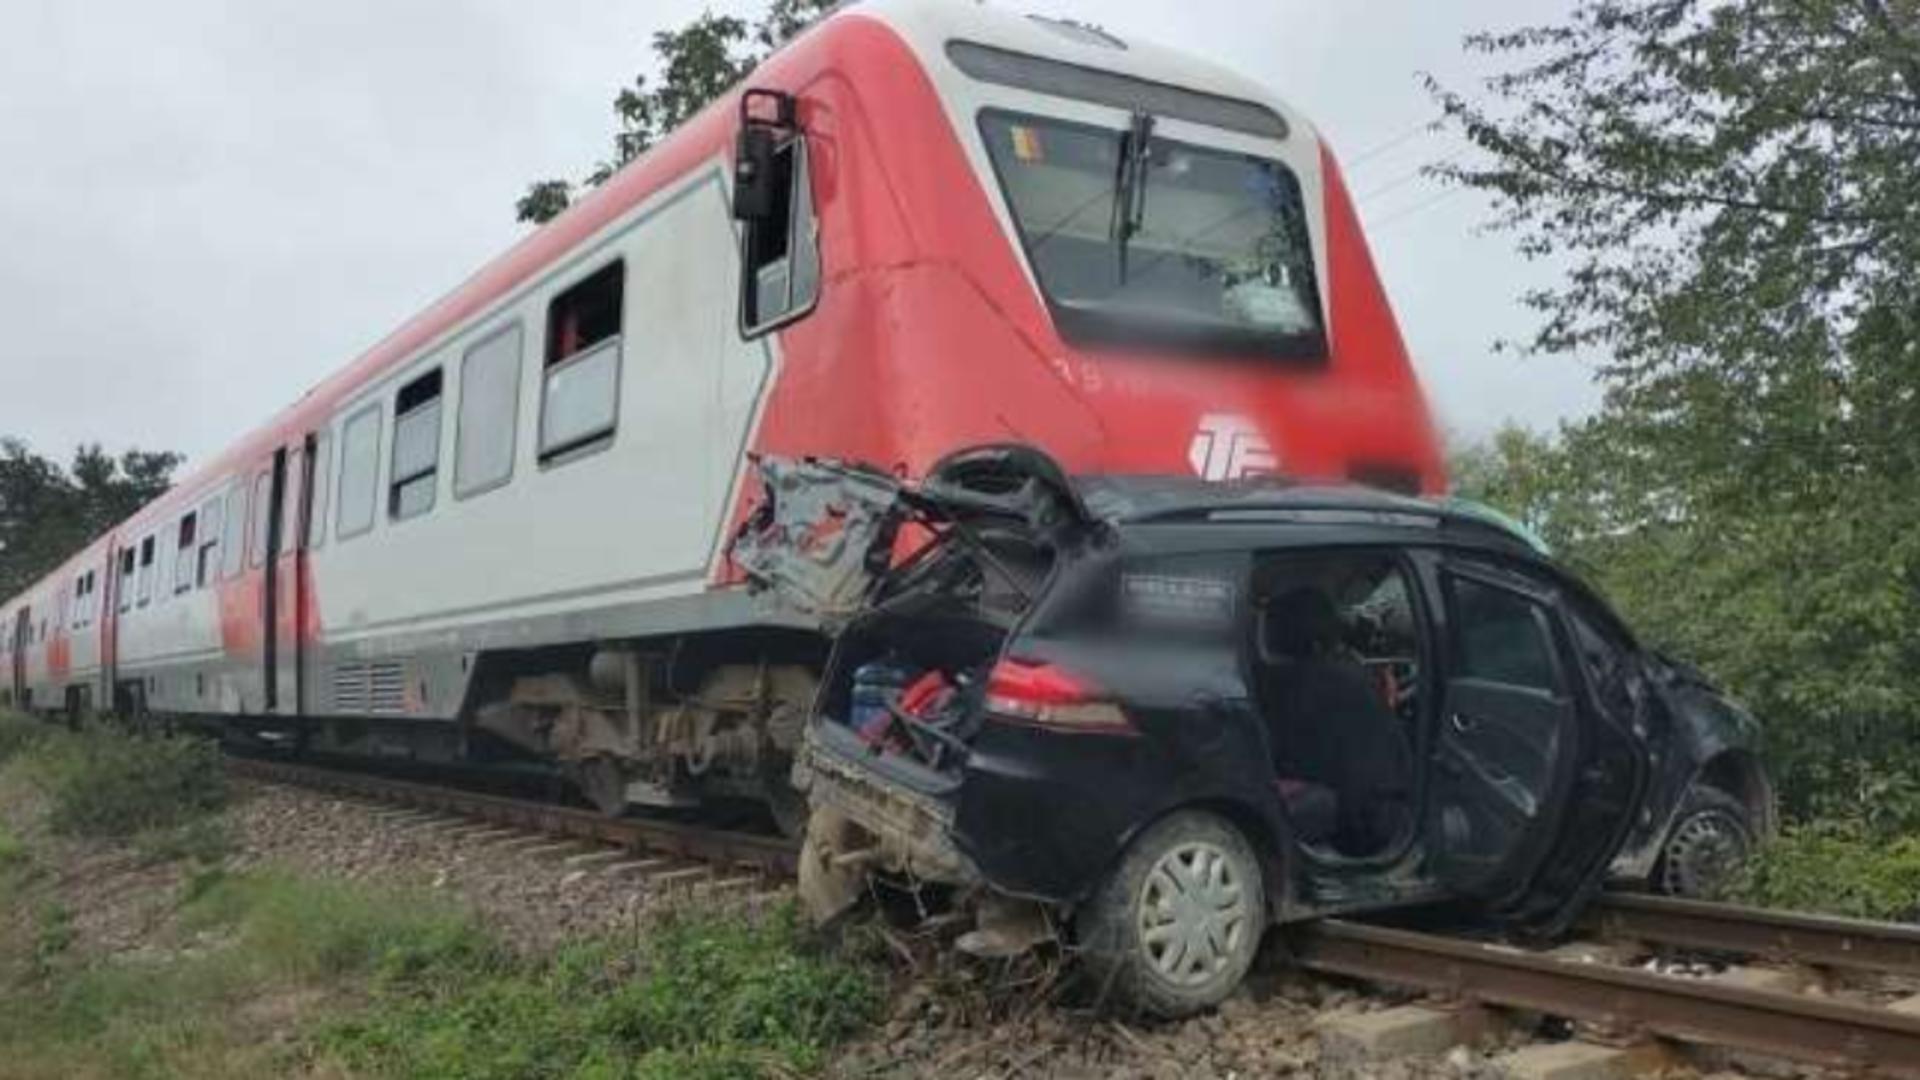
(1173, 929)
(1711, 837)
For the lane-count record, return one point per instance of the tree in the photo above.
(47, 513)
(698, 62)
(1728, 186)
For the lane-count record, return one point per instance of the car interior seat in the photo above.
(1332, 730)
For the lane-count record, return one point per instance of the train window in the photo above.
(125, 586)
(77, 610)
(183, 553)
(484, 436)
(207, 564)
(262, 515)
(317, 508)
(781, 252)
(359, 472)
(580, 391)
(233, 541)
(146, 571)
(416, 447)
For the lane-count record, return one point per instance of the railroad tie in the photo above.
(523, 842)
(640, 867)
(732, 884)
(484, 832)
(675, 878)
(590, 859)
(555, 847)
(1755, 977)
(1576, 1060)
(437, 824)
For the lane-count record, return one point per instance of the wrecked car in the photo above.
(1153, 716)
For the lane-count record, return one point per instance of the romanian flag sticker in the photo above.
(1026, 144)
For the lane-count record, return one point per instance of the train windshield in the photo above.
(1141, 240)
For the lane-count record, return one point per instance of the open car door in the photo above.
(1532, 785)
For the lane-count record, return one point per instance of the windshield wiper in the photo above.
(1130, 184)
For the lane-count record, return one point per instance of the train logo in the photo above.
(1228, 446)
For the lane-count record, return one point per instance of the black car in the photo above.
(1156, 715)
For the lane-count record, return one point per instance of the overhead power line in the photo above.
(1405, 178)
(1380, 148)
(1417, 208)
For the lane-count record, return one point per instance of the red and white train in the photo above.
(919, 226)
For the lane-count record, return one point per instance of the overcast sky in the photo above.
(206, 206)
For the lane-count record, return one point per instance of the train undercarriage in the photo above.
(664, 724)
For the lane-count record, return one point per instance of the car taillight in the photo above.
(1043, 695)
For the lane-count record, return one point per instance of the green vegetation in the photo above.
(102, 783)
(48, 512)
(362, 980)
(17, 733)
(1728, 188)
(197, 1009)
(697, 996)
(1839, 868)
(386, 983)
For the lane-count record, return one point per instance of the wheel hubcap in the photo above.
(1194, 912)
(1703, 853)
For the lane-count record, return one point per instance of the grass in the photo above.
(268, 972)
(393, 984)
(17, 733)
(700, 996)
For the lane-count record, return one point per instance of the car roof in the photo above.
(1126, 499)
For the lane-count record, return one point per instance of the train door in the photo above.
(268, 529)
(101, 605)
(20, 631)
(292, 481)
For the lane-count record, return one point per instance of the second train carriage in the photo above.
(921, 225)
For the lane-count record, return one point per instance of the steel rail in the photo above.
(770, 855)
(1628, 1001)
(1785, 937)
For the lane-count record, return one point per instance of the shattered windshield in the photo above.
(1175, 245)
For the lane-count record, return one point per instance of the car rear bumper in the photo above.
(905, 812)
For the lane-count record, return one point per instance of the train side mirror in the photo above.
(767, 118)
(753, 174)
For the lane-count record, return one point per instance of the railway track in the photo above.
(1622, 1002)
(1797, 1008)
(769, 857)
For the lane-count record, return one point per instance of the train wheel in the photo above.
(604, 783)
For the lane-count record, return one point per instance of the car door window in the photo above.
(1501, 636)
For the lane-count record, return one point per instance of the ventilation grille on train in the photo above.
(370, 689)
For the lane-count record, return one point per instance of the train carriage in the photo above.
(919, 226)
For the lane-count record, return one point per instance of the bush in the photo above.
(701, 996)
(1837, 867)
(17, 733)
(103, 784)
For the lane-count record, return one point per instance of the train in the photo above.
(502, 532)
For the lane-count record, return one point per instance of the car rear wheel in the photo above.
(1174, 927)
(1711, 837)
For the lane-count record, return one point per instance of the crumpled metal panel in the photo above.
(822, 535)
